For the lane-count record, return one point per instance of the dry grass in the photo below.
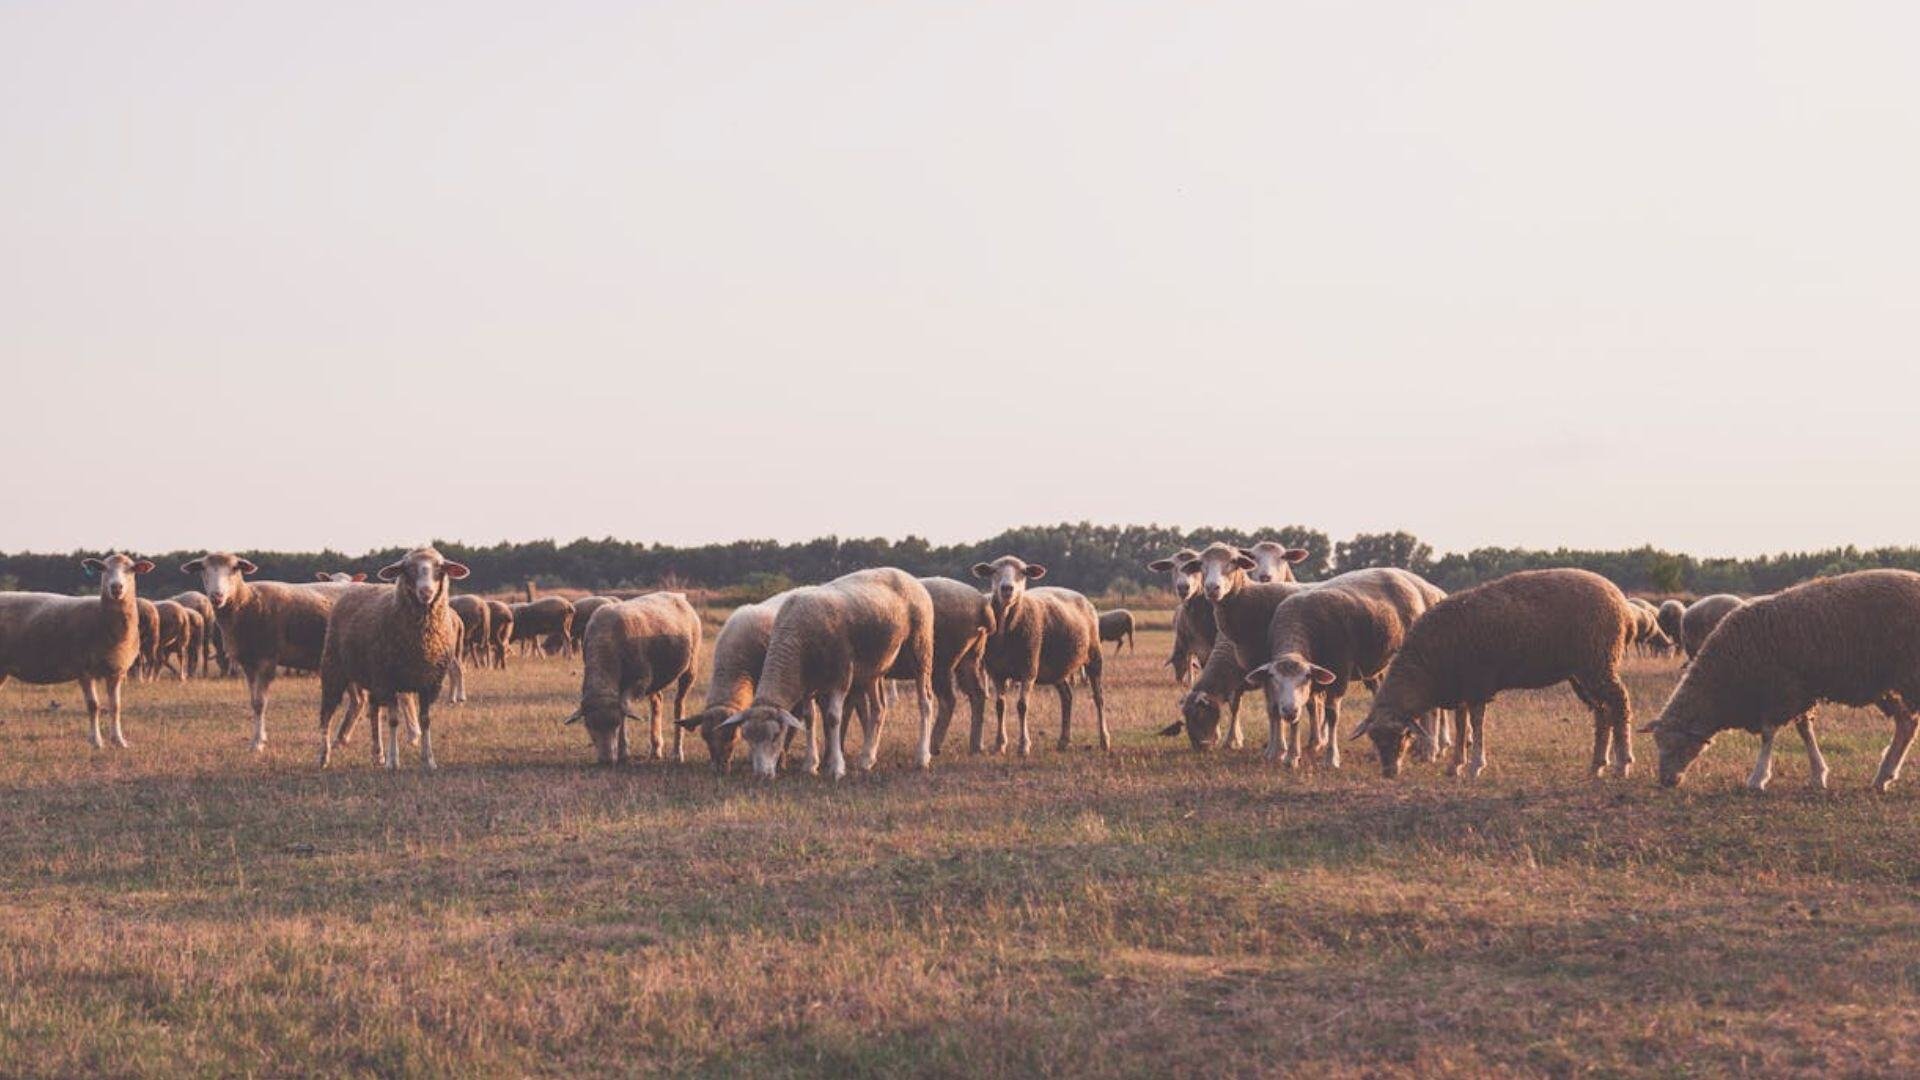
(188, 908)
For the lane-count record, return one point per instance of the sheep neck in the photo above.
(783, 679)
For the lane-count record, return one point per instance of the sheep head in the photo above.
(116, 573)
(1200, 713)
(423, 574)
(1184, 584)
(711, 724)
(1392, 731)
(221, 574)
(1289, 681)
(1222, 568)
(1679, 733)
(765, 728)
(1274, 562)
(1006, 579)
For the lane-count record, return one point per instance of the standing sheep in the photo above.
(206, 644)
(92, 640)
(1671, 614)
(1345, 630)
(835, 643)
(500, 627)
(1853, 639)
(1702, 616)
(1044, 637)
(1242, 613)
(583, 610)
(636, 648)
(1525, 631)
(962, 621)
(545, 624)
(739, 653)
(388, 642)
(1117, 626)
(149, 615)
(476, 633)
(175, 638)
(1193, 629)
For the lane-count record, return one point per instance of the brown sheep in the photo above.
(149, 615)
(175, 638)
(91, 640)
(1671, 613)
(1274, 562)
(500, 626)
(1702, 616)
(1524, 631)
(476, 635)
(1193, 629)
(636, 648)
(1853, 639)
(1044, 637)
(583, 610)
(1218, 687)
(1242, 613)
(545, 624)
(962, 621)
(388, 641)
(1117, 626)
(739, 653)
(206, 645)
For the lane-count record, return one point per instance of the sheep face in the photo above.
(1391, 734)
(1006, 579)
(1221, 568)
(602, 720)
(221, 575)
(1183, 583)
(423, 574)
(711, 724)
(765, 729)
(1679, 743)
(116, 573)
(1289, 681)
(1200, 714)
(1274, 562)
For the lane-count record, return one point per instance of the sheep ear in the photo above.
(1191, 566)
(1035, 571)
(360, 575)
(792, 721)
(144, 566)
(456, 571)
(982, 570)
(576, 717)
(1174, 728)
(1244, 561)
(733, 721)
(1365, 726)
(1322, 675)
(245, 567)
(1296, 555)
(1255, 678)
(193, 567)
(388, 573)
(1160, 566)
(92, 566)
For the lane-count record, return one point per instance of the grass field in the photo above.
(188, 908)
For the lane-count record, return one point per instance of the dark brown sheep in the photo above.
(92, 640)
(1702, 616)
(962, 621)
(1215, 690)
(476, 635)
(583, 610)
(1044, 637)
(500, 626)
(206, 645)
(543, 624)
(1242, 614)
(1117, 626)
(1193, 629)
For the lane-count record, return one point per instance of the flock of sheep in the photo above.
(808, 661)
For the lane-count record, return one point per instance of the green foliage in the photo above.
(1401, 549)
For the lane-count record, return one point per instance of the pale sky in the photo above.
(285, 276)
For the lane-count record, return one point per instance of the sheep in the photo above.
(266, 624)
(92, 640)
(833, 642)
(206, 644)
(1218, 686)
(636, 648)
(1242, 612)
(1044, 637)
(739, 653)
(1527, 630)
(340, 577)
(176, 637)
(963, 619)
(1701, 617)
(1671, 614)
(476, 628)
(1344, 630)
(544, 623)
(391, 641)
(1193, 629)
(148, 613)
(583, 610)
(500, 626)
(1647, 637)
(1117, 626)
(1853, 639)
(1274, 562)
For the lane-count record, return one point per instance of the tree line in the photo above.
(1106, 560)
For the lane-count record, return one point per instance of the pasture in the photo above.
(188, 908)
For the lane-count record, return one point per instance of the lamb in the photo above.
(963, 619)
(93, 640)
(1274, 562)
(149, 615)
(1242, 612)
(175, 640)
(583, 610)
(1527, 630)
(1671, 613)
(1343, 631)
(267, 624)
(835, 642)
(391, 641)
(1044, 637)
(546, 622)
(206, 644)
(1117, 626)
(1853, 639)
(1218, 686)
(476, 633)
(1701, 617)
(636, 648)
(500, 626)
(739, 652)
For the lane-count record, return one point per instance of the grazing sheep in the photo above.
(206, 644)
(1242, 612)
(476, 634)
(583, 610)
(391, 641)
(1671, 614)
(546, 623)
(92, 640)
(500, 626)
(835, 643)
(1647, 638)
(340, 577)
(1218, 687)
(175, 639)
(1521, 632)
(636, 648)
(1274, 562)
(739, 653)
(1193, 629)
(1853, 639)
(1702, 616)
(1044, 637)
(1342, 631)
(1117, 626)
(149, 615)
(962, 621)
(267, 624)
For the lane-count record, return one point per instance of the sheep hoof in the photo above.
(1881, 784)
(121, 742)
(1457, 769)
(1026, 749)
(1819, 781)
(1622, 771)
(1474, 771)
(258, 745)
(1063, 745)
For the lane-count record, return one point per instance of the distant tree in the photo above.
(1401, 549)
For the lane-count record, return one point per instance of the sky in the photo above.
(353, 275)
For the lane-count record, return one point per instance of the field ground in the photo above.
(185, 907)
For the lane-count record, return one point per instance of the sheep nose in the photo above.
(1290, 714)
(1006, 592)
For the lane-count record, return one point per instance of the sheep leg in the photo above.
(680, 688)
(1331, 726)
(656, 745)
(1477, 718)
(942, 683)
(924, 756)
(1460, 741)
(426, 734)
(871, 708)
(1816, 761)
(1020, 707)
(1276, 739)
(1098, 680)
(1236, 738)
(1619, 715)
(809, 715)
(331, 691)
(1896, 752)
(1065, 690)
(259, 680)
(356, 700)
(390, 712)
(1763, 766)
(832, 717)
(92, 694)
(457, 680)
